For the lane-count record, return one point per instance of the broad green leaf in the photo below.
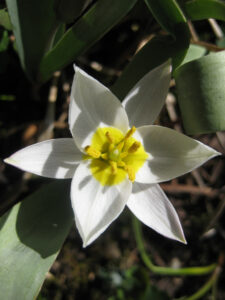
(221, 42)
(194, 52)
(34, 26)
(205, 9)
(167, 13)
(31, 236)
(83, 34)
(68, 10)
(5, 20)
(201, 94)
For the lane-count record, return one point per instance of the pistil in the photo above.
(114, 153)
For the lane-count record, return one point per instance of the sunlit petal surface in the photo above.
(145, 101)
(171, 154)
(93, 105)
(152, 207)
(96, 206)
(57, 158)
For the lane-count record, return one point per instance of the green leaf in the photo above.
(30, 239)
(68, 10)
(201, 94)
(205, 9)
(5, 20)
(34, 26)
(160, 48)
(59, 33)
(154, 53)
(221, 42)
(194, 52)
(167, 13)
(83, 34)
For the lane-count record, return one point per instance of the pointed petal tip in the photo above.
(178, 237)
(86, 243)
(10, 161)
(183, 240)
(76, 68)
(218, 153)
(213, 153)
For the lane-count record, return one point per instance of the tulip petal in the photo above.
(96, 206)
(56, 158)
(144, 102)
(171, 154)
(151, 206)
(93, 105)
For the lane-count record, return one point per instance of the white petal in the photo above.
(151, 206)
(144, 102)
(171, 154)
(53, 158)
(96, 206)
(93, 105)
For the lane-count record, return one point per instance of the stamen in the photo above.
(113, 165)
(130, 132)
(120, 146)
(121, 164)
(123, 154)
(130, 172)
(105, 156)
(109, 137)
(92, 152)
(134, 147)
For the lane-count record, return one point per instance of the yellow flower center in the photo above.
(114, 156)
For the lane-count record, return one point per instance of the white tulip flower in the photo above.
(116, 157)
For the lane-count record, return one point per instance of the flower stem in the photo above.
(207, 286)
(191, 271)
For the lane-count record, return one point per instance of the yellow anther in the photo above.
(131, 173)
(134, 147)
(92, 152)
(123, 154)
(130, 132)
(120, 146)
(113, 165)
(105, 156)
(109, 137)
(121, 164)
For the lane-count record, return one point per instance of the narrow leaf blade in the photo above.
(34, 25)
(205, 9)
(167, 13)
(159, 49)
(83, 34)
